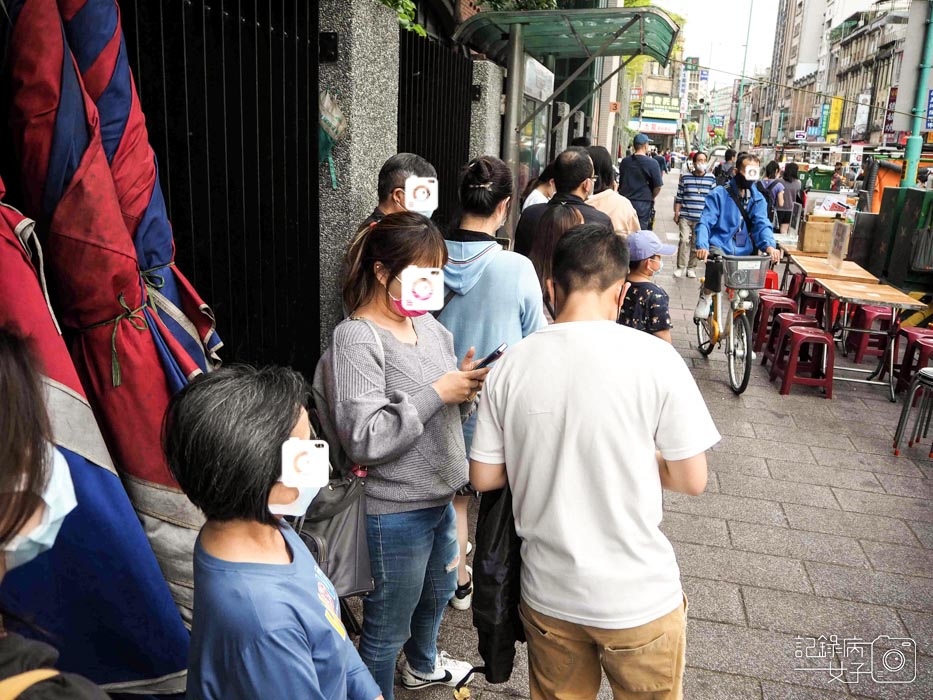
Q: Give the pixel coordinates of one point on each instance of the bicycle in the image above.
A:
(740, 275)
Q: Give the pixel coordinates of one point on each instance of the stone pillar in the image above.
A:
(364, 82)
(486, 124)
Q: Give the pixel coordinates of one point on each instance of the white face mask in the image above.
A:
(299, 506)
(60, 500)
(700, 167)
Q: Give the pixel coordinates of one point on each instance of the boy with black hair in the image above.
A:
(391, 184)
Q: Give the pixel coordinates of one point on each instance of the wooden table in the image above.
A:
(790, 250)
(820, 268)
(867, 294)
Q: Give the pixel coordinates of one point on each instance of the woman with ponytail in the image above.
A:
(494, 297)
(397, 398)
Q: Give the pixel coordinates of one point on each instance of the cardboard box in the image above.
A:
(816, 235)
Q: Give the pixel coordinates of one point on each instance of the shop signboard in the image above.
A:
(860, 127)
(835, 114)
(889, 112)
(661, 107)
(930, 111)
(800, 135)
(824, 121)
(539, 81)
(635, 94)
(692, 63)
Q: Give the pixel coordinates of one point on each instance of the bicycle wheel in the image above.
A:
(706, 332)
(740, 353)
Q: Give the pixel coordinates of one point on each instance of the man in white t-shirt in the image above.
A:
(587, 421)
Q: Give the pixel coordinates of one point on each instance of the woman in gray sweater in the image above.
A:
(397, 400)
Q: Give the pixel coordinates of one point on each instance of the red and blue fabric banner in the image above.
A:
(99, 591)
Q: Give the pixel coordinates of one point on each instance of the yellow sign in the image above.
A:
(757, 135)
(835, 114)
(832, 138)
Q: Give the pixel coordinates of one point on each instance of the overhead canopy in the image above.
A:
(573, 33)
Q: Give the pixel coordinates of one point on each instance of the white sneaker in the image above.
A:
(469, 548)
(447, 671)
(679, 271)
(463, 596)
(692, 274)
(703, 307)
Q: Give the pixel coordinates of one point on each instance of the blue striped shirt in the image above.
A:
(691, 194)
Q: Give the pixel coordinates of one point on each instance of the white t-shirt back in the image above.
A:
(534, 197)
(576, 412)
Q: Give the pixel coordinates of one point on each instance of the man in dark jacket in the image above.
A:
(574, 178)
(640, 180)
(391, 185)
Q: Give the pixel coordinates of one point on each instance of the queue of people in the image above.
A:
(587, 333)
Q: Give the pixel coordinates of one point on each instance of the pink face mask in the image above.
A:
(401, 310)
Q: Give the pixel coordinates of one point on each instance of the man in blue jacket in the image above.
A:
(727, 229)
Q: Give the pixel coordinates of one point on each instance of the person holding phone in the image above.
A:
(495, 298)
(397, 398)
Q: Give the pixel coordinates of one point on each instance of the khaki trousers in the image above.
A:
(641, 663)
(686, 249)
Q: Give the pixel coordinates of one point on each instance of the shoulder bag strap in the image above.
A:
(14, 686)
(447, 297)
(738, 203)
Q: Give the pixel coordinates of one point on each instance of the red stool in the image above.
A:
(922, 346)
(796, 339)
(911, 334)
(768, 306)
(771, 280)
(782, 322)
(869, 343)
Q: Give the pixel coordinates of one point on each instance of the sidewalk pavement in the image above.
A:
(809, 527)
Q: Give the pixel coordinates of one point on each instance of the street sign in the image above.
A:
(692, 63)
(800, 135)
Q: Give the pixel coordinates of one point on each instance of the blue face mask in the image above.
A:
(59, 499)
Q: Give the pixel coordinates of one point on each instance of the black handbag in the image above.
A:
(334, 530)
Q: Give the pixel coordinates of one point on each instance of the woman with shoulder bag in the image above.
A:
(397, 399)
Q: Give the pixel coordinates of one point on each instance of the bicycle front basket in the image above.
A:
(745, 271)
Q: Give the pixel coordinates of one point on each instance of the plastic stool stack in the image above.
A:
(922, 382)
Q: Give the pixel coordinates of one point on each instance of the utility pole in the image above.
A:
(738, 108)
(915, 140)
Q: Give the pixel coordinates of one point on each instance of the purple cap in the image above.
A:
(645, 244)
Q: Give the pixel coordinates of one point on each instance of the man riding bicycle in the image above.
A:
(734, 222)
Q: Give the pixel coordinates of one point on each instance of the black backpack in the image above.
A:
(768, 192)
(722, 175)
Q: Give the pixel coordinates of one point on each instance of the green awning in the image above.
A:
(573, 33)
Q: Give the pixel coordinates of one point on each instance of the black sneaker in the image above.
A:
(463, 596)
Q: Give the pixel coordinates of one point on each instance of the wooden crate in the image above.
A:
(816, 235)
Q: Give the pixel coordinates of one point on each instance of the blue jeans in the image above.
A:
(414, 561)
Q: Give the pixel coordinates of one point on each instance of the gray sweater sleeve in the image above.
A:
(372, 426)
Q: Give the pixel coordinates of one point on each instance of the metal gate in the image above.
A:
(229, 93)
(434, 112)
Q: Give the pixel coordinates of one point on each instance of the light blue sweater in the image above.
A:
(497, 299)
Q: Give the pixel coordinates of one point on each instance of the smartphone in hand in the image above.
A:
(492, 357)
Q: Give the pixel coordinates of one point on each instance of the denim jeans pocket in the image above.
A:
(644, 669)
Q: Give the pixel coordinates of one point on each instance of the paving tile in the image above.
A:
(920, 629)
(829, 423)
(906, 486)
(719, 505)
(884, 504)
(729, 463)
(799, 404)
(714, 600)
(758, 653)
(924, 533)
(700, 684)
(803, 436)
(920, 689)
(885, 412)
(875, 445)
(736, 428)
(782, 691)
(712, 483)
(760, 415)
(797, 544)
(741, 567)
(764, 448)
(881, 588)
(864, 527)
(812, 616)
(887, 464)
(899, 560)
(825, 476)
(781, 491)
(682, 527)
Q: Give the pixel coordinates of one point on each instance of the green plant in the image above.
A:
(511, 5)
(406, 11)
